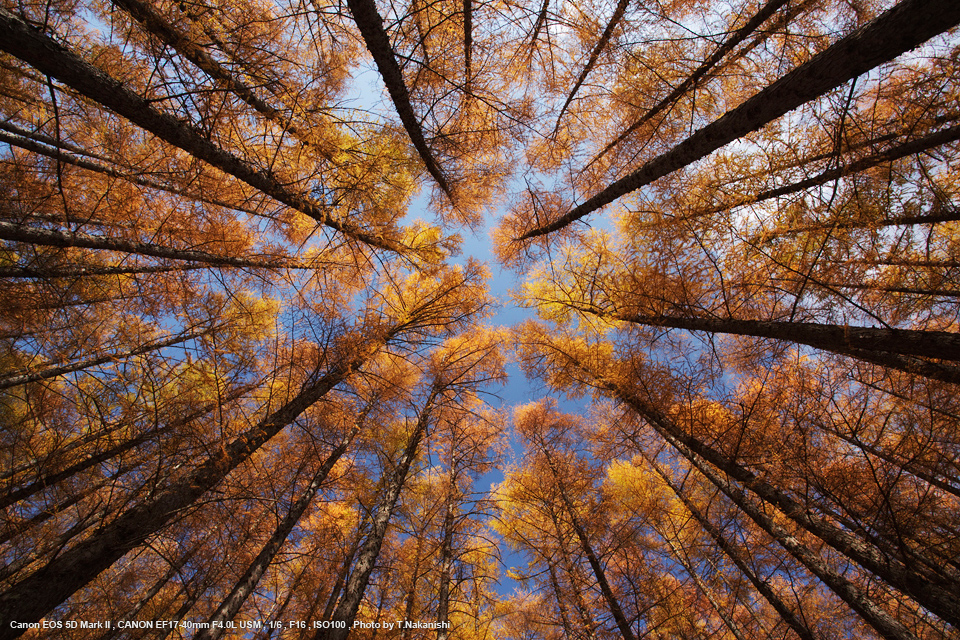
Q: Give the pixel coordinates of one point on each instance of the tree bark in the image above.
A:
(378, 43)
(904, 27)
(860, 601)
(690, 81)
(587, 548)
(346, 610)
(92, 459)
(930, 591)
(35, 596)
(53, 238)
(595, 55)
(53, 371)
(251, 577)
(54, 60)
(786, 614)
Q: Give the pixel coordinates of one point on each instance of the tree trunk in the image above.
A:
(446, 561)
(690, 81)
(53, 238)
(54, 60)
(343, 573)
(930, 591)
(925, 143)
(793, 620)
(595, 55)
(53, 371)
(35, 596)
(251, 577)
(153, 22)
(592, 558)
(904, 27)
(93, 459)
(378, 43)
(704, 588)
(893, 348)
(50, 148)
(346, 610)
(859, 600)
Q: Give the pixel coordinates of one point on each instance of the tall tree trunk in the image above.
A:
(344, 572)
(704, 588)
(51, 58)
(792, 619)
(893, 348)
(54, 238)
(446, 561)
(585, 615)
(594, 56)
(346, 610)
(930, 591)
(612, 603)
(251, 577)
(411, 598)
(92, 459)
(38, 144)
(53, 371)
(858, 599)
(153, 22)
(370, 23)
(904, 27)
(690, 81)
(33, 597)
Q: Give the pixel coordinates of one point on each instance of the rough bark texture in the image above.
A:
(35, 596)
(54, 238)
(763, 588)
(622, 624)
(251, 577)
(378, 42)
(902, 28)
(91, 459)
(53, 371)
(52, 149)
(735, 38)
(935, 592)
(828, 337)
(156, 24)
(594, 56)
(878, 618)
(346, 610)
(50, 58)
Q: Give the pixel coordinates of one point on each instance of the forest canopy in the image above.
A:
(249, 380)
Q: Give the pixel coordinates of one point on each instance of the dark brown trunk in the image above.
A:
(346, 610)
(251, 577)
(786, 614)
(904, 27)
(154, 23)
(930, 591)
(691, 81)
(859, 600)
(35, 596)
(612, 603)
(126, 174)
(92, 459)
(53, 371)
(595, 55)
(54, 238)
(51, 58)
(370, 23)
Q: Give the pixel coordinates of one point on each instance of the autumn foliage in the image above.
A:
(248, 381)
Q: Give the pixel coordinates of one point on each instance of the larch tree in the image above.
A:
(247, 381)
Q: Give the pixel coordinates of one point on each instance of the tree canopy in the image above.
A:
(250, 386)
